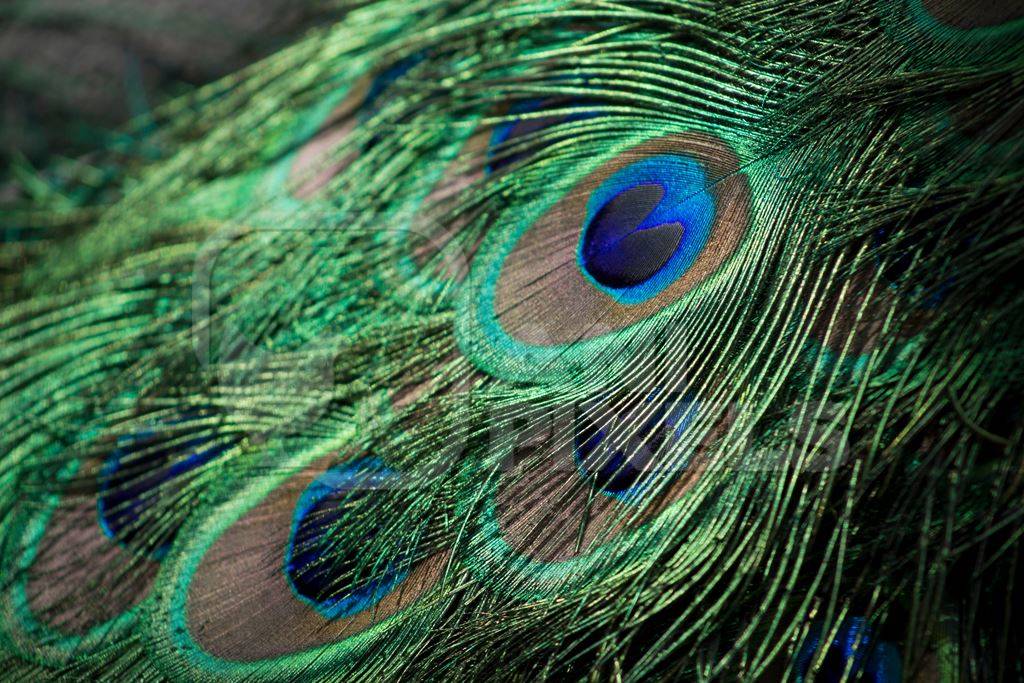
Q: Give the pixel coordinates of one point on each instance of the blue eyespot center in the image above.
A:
(623, 460)
(906, 269)
(324, 564)
(855, 650)
(507, 133)
(385, 79)
(617, 252)
(143, 473)
(645, 226)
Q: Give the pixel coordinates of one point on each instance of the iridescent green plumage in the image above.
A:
(341, 274)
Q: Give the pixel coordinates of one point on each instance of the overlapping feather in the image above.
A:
(835, 401)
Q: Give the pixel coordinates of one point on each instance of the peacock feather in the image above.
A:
(585, 339)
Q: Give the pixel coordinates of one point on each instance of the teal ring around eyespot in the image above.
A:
(169, 643)
(20, 629)
(409, 283)
(489, 347)
(673, 172)
(490, 558)
(272, 184)
(933, 41)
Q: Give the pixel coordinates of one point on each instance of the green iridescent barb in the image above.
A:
(537, 339)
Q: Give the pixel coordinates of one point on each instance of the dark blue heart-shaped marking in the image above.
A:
(618, 250)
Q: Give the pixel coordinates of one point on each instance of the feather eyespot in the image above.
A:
(87, 560)
(854, 654)
(143, 468)
(314, 572)
(317, 162)
(581, 490)
(645, 226)
(624, 449)
(101, 583)
(322, 571)
(652, 227)
(912, 273)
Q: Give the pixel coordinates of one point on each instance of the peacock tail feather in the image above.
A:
(586, 339)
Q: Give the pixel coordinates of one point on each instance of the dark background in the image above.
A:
(74, 72)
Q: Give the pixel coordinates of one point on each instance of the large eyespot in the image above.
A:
(582, 491)
(645, 226)
(81, 566)
(655, 226)
(954, 32)
(855, 654)
(306, 565)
